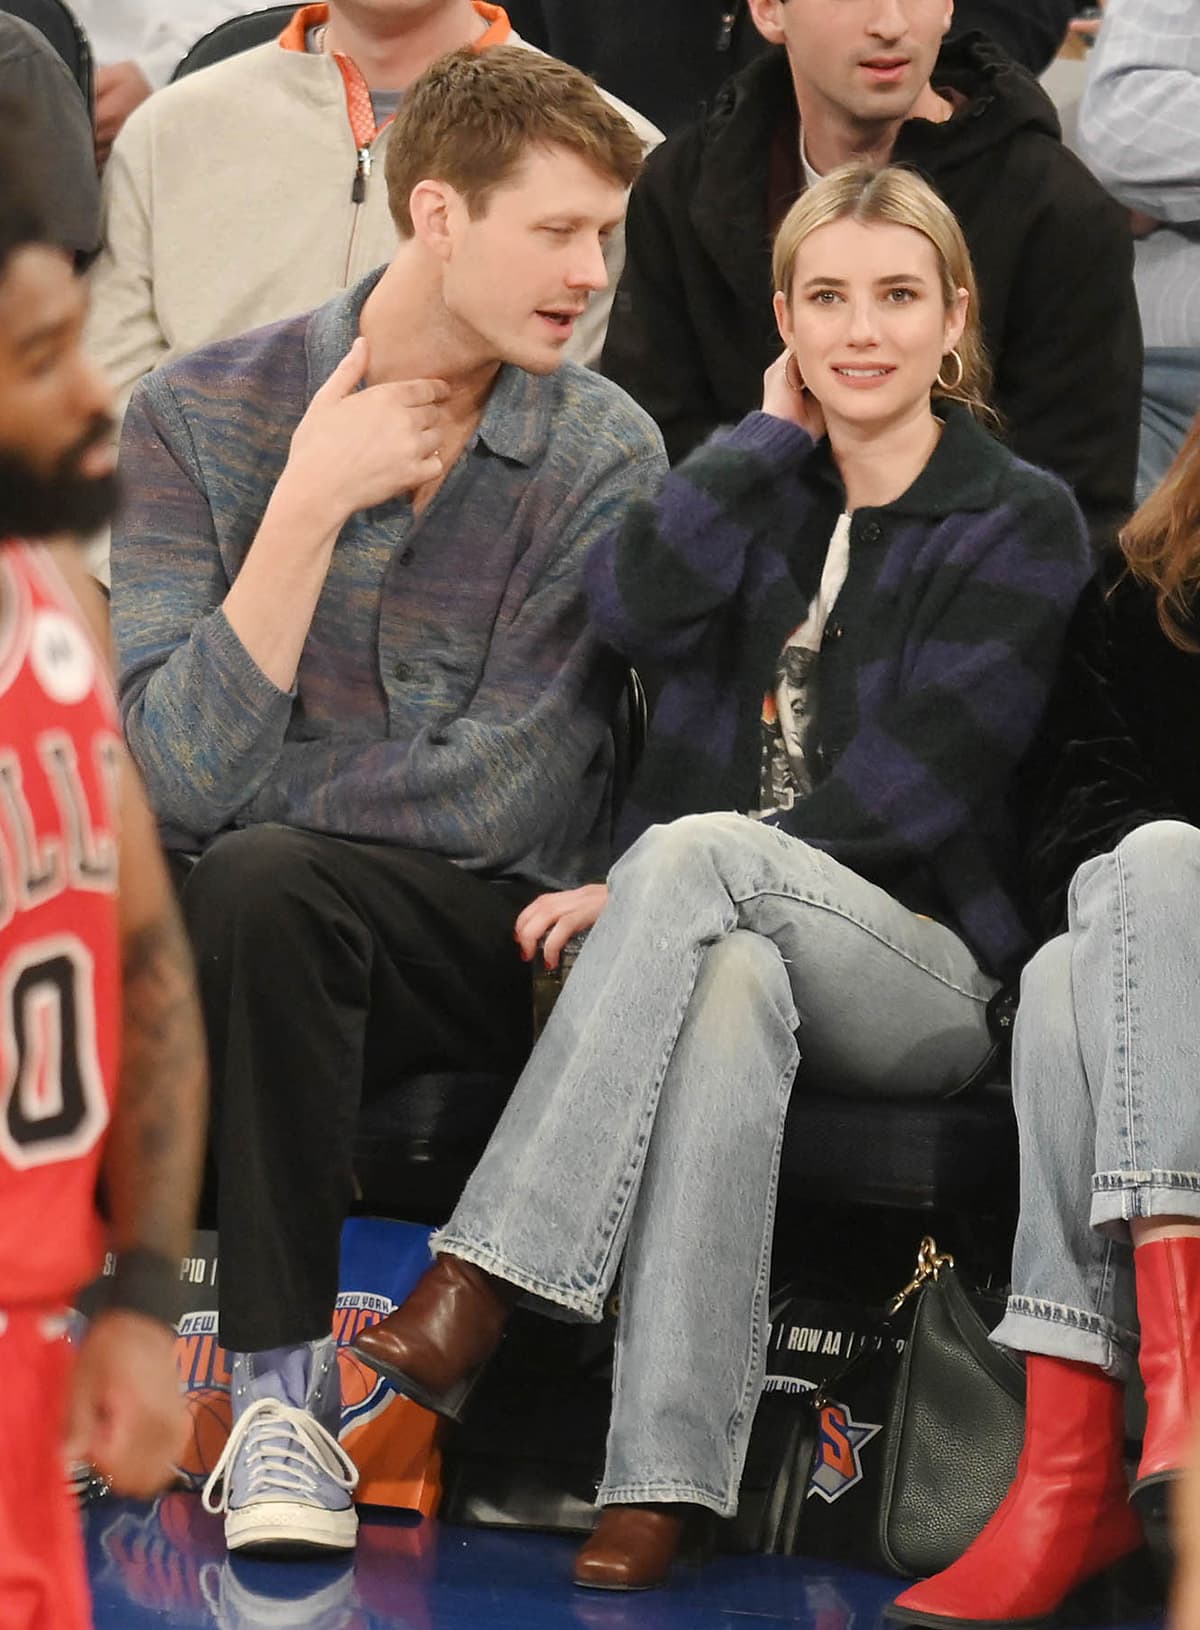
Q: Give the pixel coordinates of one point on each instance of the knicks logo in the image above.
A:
(201, 1359)
(365, 1394)
(204, 1370)
(836, 1464)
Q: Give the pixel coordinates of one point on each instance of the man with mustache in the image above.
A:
(290, 203)
(871, 81)
(357, 673)
(101, 1053)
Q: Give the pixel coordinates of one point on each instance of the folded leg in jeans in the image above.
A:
(647, 1125)
(1106, 1261)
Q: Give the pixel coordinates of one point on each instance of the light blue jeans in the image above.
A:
(1170, 401)
(1106, 1072)
(647, 1125)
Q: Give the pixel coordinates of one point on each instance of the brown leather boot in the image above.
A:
(434, 1346)
(632, 1548)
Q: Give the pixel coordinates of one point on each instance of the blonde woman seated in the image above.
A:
(851, 605)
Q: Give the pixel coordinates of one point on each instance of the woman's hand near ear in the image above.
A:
(784, 401)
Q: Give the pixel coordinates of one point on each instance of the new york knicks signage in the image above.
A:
(391, 1440)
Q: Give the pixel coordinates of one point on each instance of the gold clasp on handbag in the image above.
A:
(930, 1263)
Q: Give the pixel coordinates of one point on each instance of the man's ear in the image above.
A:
(765, 15)
(432, 205)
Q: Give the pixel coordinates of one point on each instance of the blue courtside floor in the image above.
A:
(165, 1564)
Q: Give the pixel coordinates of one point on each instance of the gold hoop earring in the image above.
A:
(951, 385)
(797, 386)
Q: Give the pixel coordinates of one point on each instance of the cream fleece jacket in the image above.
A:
(228, 205)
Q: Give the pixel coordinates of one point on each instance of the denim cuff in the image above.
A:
(1117, 1197)
(1054, 1330)
(667, 1493)
(571, 1305)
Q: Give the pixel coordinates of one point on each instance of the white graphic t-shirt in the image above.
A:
(790, 708)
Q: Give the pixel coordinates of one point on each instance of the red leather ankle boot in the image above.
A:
(1065, 1520)
(1168, 1299)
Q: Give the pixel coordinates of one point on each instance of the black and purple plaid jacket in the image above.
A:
(933, 674)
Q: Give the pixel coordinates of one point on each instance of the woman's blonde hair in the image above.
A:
(898, 197)
(1162, 544)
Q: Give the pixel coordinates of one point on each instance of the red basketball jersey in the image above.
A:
(59, 949)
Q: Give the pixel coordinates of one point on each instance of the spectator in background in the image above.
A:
(254, 190)
(1139, 130)
(53, 117)
(136, 46)
(357, 672)
(670, 59)
(691, 330)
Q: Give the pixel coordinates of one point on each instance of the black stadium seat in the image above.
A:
(234, 35)
(418, 1143)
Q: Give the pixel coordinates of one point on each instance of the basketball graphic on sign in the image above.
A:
(358, 1380)
(209, 1410)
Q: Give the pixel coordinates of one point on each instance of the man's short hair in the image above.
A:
(472, 117)
(22, 185)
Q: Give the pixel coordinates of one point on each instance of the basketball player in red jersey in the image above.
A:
(101, 1051)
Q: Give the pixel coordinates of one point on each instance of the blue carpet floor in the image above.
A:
(165, 1564)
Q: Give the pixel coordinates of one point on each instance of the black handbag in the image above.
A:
(899, 1453)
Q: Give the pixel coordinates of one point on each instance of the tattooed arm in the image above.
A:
(126, 1415)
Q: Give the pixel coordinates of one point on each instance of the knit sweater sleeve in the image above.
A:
(654, 581)
(202, 720)
(940, 753)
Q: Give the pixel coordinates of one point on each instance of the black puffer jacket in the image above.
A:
(692, 329)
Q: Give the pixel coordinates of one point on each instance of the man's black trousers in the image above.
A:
(329, 969)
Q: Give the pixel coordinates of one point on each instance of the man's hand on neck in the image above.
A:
(410, 336)
(391, 52)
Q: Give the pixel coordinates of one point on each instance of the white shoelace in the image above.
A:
(272, 1459)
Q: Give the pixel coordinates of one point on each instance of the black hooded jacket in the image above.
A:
(692, 328)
